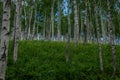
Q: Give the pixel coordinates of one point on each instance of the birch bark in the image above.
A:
(4, 38)
(98, 37)
(112, 39)
(17, 29)
(76, 23)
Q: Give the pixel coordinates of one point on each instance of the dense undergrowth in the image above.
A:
(39, 60)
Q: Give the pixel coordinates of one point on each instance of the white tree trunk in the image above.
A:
(37, 31)
(103, 29)
(112, 39)
(98, 37)
(85, 25)
(69, 34)
(26, 23)
(52, 18)
(17, 29)
(0, 22)
(4, 38)
(81, 29)
(76, 23)
(34, 25)
(49, 30)
(59, 20)
(44, 27)
(29, 24)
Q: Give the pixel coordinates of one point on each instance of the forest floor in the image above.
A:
(39, 60)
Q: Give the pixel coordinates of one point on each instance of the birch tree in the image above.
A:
(34, 25)
(91, 32)
(102, 23)
(17, 29)
(26, 22)
(69, 34)
(98, 36)
(85, 25)
(4, 38)
(52, 18)
(76, 22)
(44, 26)
(112, 39)
(0, 15)
(30, 19)
(59, 20)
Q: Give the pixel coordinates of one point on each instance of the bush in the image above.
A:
(39, 60)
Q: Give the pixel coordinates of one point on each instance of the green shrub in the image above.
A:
(45, 60)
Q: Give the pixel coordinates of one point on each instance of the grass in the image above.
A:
(39, 60)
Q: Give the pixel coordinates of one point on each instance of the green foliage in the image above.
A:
(40, 60)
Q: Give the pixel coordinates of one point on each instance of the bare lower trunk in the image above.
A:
(102, 25)
(85, 26)
(30, 19)
(112, 40)
(44, 27)
(0, 22)
(69, 34)
(76, 23)
(17, 29)
(98, 37)
(85, 33)
(67, 48)
(4, 38)
(59, 20)
(89, 21)
(37, 31)
(50, 31)
(34, 25)
(82, 26)
(52, 18)
(103, 30)
(26, 24)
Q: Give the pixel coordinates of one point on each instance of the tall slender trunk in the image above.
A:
(37, 31)
(98, 37)
(59, 20)
(87, 22)
(49, 30)
(17, 29)
(44, 27)
(85, 26)
(0, 25)
(21, 32)
(26, 23)
(90, 22)
(30, 19)
(85, 32)
(52, 18)
(76, 23)
(103, 29)
(102, 25)
(69, 34)
(92, 27)
(81, 28)
(4, 38)
(34, 25)
(112, 39)
(108, 30)
(119, 18)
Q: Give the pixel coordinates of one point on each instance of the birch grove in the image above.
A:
(75, 23)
